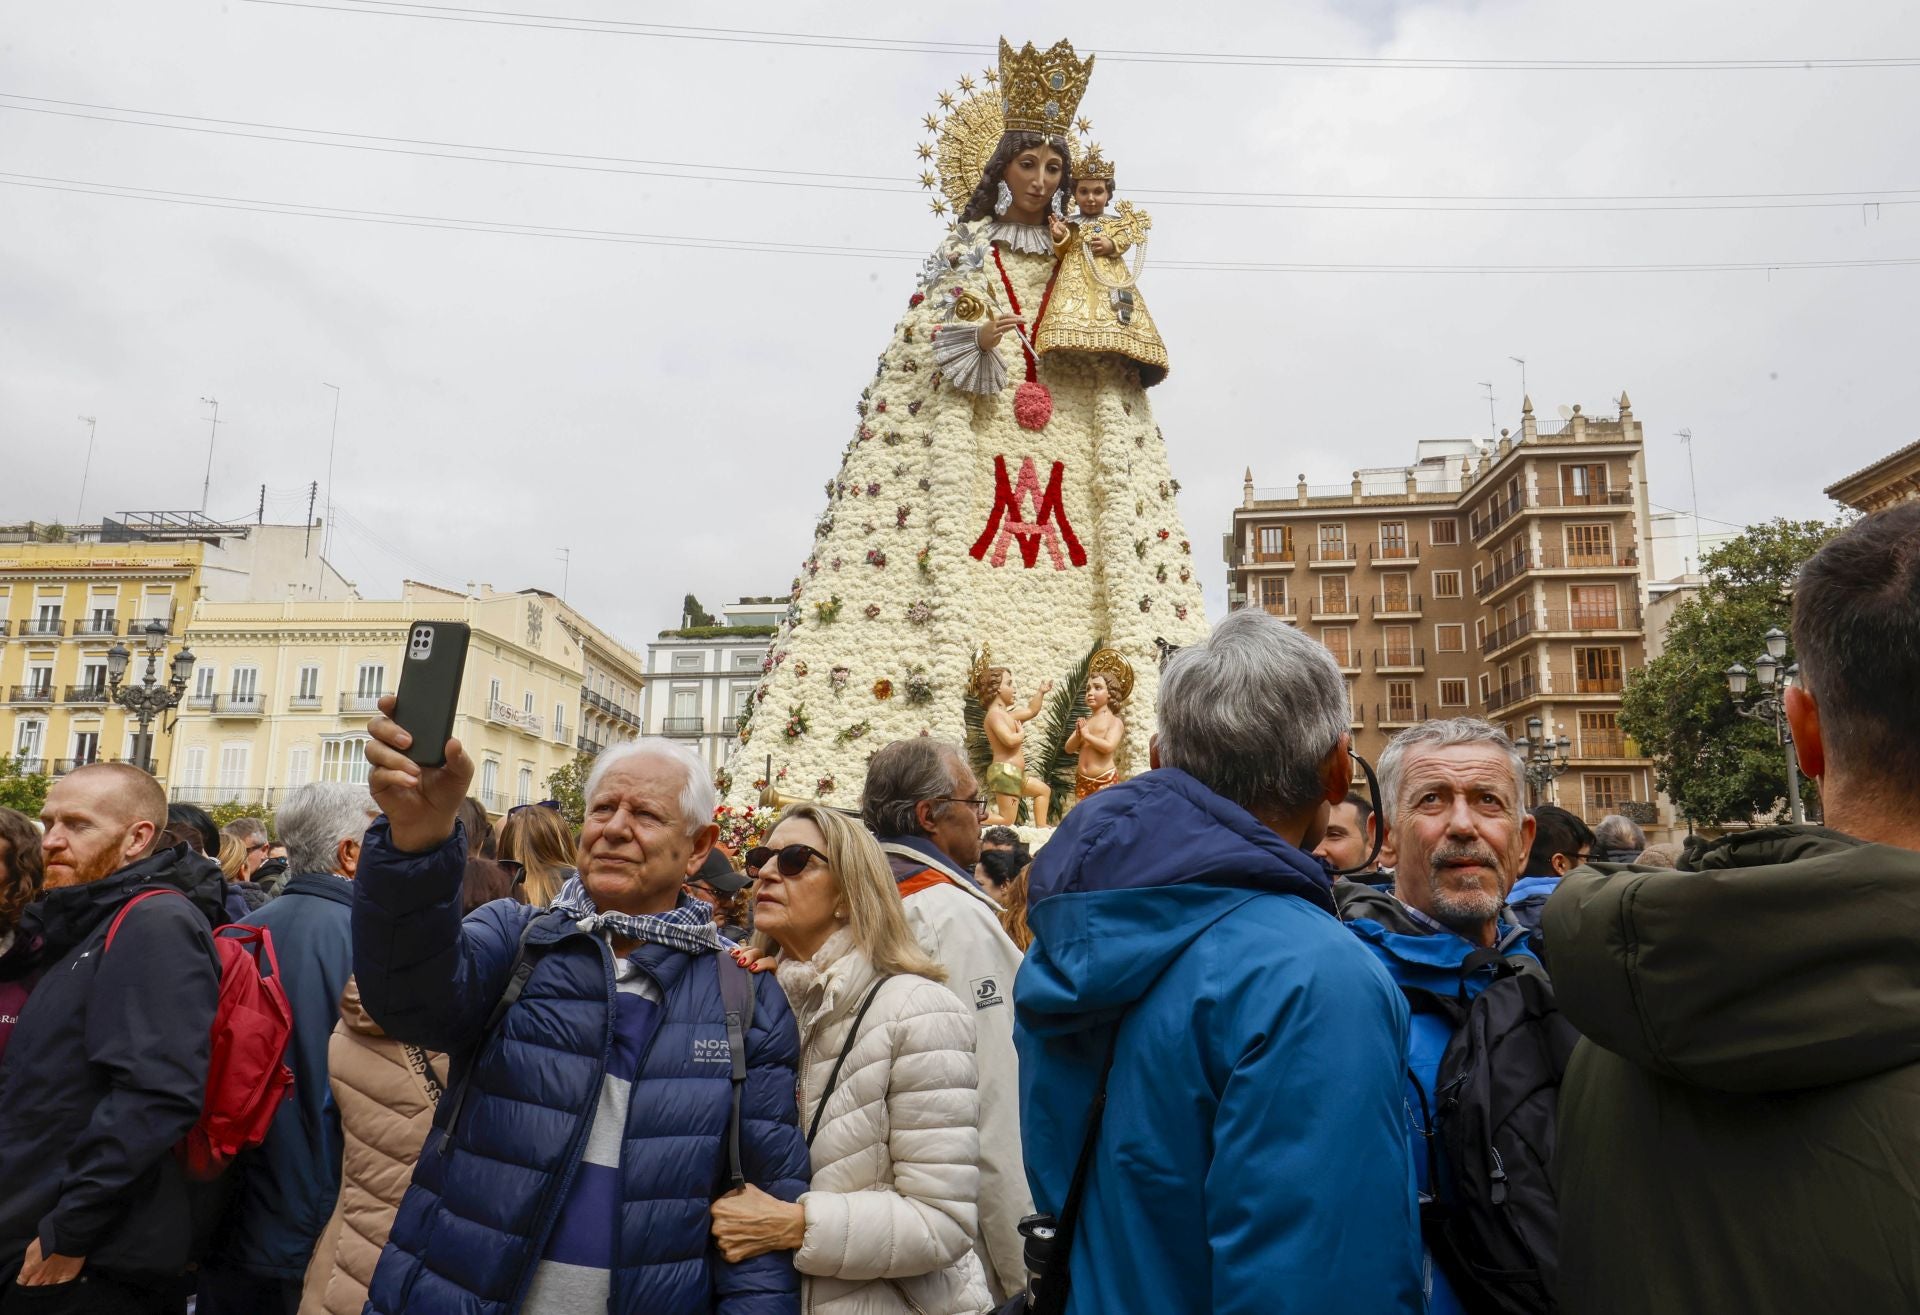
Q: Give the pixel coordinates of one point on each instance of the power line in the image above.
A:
(1513, 204)
(1211, 59)
(464, 224)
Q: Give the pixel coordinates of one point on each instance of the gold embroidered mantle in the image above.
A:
(1095, 305)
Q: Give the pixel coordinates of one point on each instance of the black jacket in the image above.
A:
(106, 1070)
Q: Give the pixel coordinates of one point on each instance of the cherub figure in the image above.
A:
(1097, 736)
(1008, 781)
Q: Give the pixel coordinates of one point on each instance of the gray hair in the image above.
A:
(1253, 712)
(245, 829)
(1445, 733)
(900, 777)
(1617, 832)
(317, 817)
(697, 797)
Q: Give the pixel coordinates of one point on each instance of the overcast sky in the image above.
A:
(670, 414)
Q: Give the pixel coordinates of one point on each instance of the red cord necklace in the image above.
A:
(1032, 403)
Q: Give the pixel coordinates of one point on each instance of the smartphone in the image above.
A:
(429, 690)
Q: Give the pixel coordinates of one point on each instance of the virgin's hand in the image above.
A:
(420, 802)
(748, 1223)
(1057, 227)
(1102, 246)
(992, 331)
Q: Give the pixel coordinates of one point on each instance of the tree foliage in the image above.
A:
(1716, 765)
(24, 792)
(567, 785)
(694, 615)
(223, 814)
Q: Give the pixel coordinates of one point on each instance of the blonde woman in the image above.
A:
(536, 842)
(887, 1086)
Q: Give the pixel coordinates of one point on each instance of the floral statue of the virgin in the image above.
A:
(989, 494)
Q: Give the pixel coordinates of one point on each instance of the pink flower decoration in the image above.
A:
(1032, 405)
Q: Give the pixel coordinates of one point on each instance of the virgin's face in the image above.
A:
(1034, 176)
(1097, 693)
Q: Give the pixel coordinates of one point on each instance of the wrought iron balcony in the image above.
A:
(1399, 714)
(368, 703)
(38, 627)
(1518, 691)
(1397, 605)
(1399, 659)
(94, 694)
(683, 726)
(240, 705)
(35, 693)
(103, 625)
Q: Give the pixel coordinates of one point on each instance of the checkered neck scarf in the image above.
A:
(687, 927)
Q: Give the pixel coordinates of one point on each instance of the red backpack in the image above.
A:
(246, 1078)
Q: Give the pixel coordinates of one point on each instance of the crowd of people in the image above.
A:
(1242, 1034)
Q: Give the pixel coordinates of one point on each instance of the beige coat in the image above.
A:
(386, 1102)
(891, 1216)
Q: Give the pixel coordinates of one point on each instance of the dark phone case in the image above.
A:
(429, 690)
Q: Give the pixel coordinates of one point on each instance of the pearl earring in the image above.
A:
(840, 915)
(1004, 200)
(1059, 210)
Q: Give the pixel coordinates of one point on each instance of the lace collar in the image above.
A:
(1027, 239)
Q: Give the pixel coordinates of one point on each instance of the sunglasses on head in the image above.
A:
(553, 804)
(515, 869)
(791, 859)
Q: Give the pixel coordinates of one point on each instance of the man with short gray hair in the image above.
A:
(284, 1189)
(1457, 836)
(1187, 961)
(1618, 839)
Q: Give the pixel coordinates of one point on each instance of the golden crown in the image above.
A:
(1094, 165)
(1040, 92)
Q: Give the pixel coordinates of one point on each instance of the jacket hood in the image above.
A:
(354, 1016)
(64, 917)
(1414, 954)
(1134, 875)
(1783, 958)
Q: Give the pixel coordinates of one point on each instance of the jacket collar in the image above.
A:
(325, 885)
(829, 983)
(919, 847)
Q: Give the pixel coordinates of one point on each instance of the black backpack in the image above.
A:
(1494, 1227)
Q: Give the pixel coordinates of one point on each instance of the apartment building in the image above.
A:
(68, 594)
(1505, 580)
(1893, 479)
(282, 693)
(699, 679)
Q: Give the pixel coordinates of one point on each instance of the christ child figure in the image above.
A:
(1095, 304)
(1008, 781)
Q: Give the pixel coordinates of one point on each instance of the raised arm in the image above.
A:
(1034, 704)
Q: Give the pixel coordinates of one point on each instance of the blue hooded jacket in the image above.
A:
(1425, 960)
(1252, 1156)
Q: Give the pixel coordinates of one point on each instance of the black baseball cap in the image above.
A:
(718, 872)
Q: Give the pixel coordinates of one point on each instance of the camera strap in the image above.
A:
(1050, 1297)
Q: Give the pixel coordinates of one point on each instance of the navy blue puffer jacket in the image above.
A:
(475, 1221)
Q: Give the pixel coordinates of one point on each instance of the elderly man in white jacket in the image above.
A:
(921, 801)
(888, 1223)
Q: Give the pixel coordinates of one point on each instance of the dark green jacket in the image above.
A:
(1740, 1132)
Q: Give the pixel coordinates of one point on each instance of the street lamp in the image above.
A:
(1770, 704)
(151, 696)
(1546, 757)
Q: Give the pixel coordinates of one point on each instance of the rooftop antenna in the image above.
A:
(212, 429)
(1521, 361)
(85, 470)
(1686, 436)
(1493, 421)
(566, 571)
(326, 526)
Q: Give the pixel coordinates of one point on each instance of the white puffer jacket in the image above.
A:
(892, 1219)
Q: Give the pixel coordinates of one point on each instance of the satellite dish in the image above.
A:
(1566, 412)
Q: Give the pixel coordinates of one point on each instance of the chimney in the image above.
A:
(1300, 489)
(1246, 489)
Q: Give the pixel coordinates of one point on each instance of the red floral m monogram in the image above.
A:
(1008, 522)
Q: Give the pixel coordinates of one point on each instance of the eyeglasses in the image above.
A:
(515, 869)
(979, 806)
(554, 804)
(257, 847)
(791, 859)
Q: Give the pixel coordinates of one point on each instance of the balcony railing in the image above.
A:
(1510, 568)
(1338, 609)
(1521, 625)
(1393, 554)
(1598, 684)
(1619, 616)
(1399, 659)
(1271, 557)
(585, 745)
(240, 705)
(201, 702)
(1399, 714)
(35, 693)
(305, 703)
(218, 794)
(561, 732)
(1553, 558)
(1603, 744)
(6, 627)
(1283, 610)
(62, 766)
(1349, 661)
(1505, 696)
(683, 726)
(30, 766)
(97, 625)
(1397, 605)
(361, 702)
(1596, 498)
(36, 626)
(1496, 513)
(1333, 554)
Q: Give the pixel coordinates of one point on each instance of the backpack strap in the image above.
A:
(121, 916)
(853, 1034)
(1050, 1298)
(736, 997)
(517, 975)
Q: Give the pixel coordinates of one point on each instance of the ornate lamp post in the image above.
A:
(1546, 757)
(1769, 704)
(150, 697)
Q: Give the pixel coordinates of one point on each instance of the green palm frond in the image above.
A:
(973, 714)
(1053, 727)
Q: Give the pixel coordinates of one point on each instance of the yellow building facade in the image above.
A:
(282, 693)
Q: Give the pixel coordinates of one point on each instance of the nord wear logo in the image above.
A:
(986, 993)
(711, 1050)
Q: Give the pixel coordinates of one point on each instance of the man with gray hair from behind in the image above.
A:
(1187, 965)
(1618, 839)
(285, 1188)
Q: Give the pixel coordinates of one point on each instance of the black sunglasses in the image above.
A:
(553, 804)
(515, 868)
(791, 859)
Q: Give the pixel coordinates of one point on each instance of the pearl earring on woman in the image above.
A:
(1004, 201)
(1059, 210)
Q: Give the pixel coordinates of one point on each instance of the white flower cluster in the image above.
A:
(892, 598)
